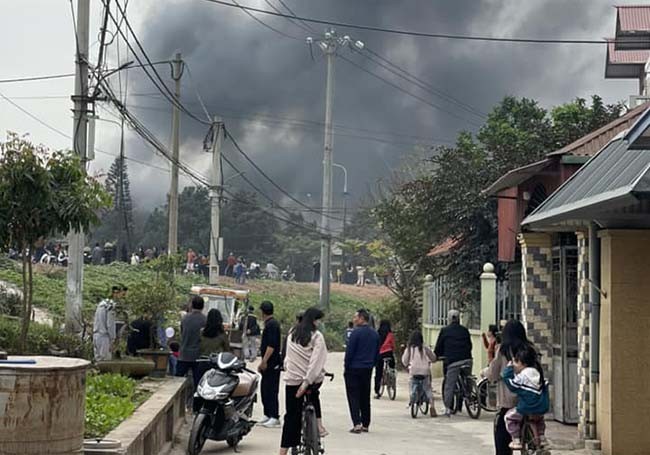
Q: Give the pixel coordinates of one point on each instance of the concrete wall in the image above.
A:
(584, 310)
(624, 395)
(431, 333)
(152, 427)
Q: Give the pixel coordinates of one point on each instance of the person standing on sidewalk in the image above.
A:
(270, 367)
(190, 351)
(360, 357)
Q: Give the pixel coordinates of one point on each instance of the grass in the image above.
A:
(288, 297)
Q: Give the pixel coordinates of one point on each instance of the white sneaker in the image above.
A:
(271, 423)
(263, 420)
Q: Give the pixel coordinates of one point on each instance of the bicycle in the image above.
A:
(466, 391)
(310, 442)
(388, 380)
(419, 399)
(487, 395)
(530, 438)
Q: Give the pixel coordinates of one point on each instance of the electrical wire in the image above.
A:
(260, 21)
(293, 21)
(36, 78)
(411, 94)
(196, 92)
(409, 77)
(309, 27)
(412, 32)
(269, 179)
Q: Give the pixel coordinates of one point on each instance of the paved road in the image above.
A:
(392, 431)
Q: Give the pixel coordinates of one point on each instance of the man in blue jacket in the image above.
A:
(361, 355)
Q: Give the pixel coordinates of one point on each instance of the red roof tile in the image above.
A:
(634, 18)
(622, 56)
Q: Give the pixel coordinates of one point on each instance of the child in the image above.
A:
(525, 378)
(173, 358)
(418, 358)
(490, 340)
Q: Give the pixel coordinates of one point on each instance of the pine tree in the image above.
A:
(119, 218)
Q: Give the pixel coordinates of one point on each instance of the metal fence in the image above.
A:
(509, 296)
(439, 301)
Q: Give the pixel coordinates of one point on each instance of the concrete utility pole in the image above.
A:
(216, 190)
(76, 240)
(345, 196)
(329, 44)
(172, 241)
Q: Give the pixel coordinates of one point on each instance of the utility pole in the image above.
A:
(172, 241)
(216, 190)
(329, 44)
(74, 285)
(345, 196)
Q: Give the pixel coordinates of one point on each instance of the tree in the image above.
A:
(194, 219)
(42, 194)
(448, 202)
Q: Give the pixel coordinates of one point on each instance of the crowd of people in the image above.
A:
(521, 390)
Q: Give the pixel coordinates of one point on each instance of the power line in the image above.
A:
(411, 94)
(36, 78)
(293, 21)
(260, 21)
(269, 179)
(412, 32)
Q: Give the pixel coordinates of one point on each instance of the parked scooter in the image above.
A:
(224, 401)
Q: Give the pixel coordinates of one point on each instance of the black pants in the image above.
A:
(502, 438)
(293, 416)
(357, 388)
(270, 390)
(183, 366)
(379, 368)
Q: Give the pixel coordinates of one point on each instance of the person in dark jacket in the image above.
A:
(270, 367)
(190, 351)
(455, 345)
(361, 356)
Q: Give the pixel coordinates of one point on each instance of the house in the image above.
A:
(607, 204)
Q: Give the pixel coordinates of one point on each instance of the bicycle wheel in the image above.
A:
(383, 383)
(472, 399)
(414, 409)
(424, 404)
(528, 443)
(311, 437)
(457, 398)
(392, 384)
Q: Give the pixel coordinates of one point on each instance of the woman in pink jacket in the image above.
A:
(418, 358)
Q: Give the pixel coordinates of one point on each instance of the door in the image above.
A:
(565, 333)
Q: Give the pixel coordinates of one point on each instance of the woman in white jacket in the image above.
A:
(418, 358)
(304, 367)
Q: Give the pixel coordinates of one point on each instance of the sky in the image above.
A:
(270, 91)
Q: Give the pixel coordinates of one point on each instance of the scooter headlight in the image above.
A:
(207, 392)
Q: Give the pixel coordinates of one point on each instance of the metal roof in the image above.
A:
(615, 179)
(517, 176)
(634, 18)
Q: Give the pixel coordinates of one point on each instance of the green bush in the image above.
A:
(41, 340)
(110, 398)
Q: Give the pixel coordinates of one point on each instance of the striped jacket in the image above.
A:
(533, 396)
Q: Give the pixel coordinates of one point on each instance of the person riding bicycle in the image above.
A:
(304, 368)
(455, 345)
(418, 358)
(525, 378)
(386, 350)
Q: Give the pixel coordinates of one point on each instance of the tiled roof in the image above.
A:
(625, 56)
(591, 143)
(634, 18)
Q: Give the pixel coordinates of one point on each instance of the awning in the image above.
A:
(517, 176)
(613, 188)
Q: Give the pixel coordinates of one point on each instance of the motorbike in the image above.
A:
(223, 402)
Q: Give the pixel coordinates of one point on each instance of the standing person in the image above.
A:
(191, 257)
(417, 358)
(191, 326)
(270, 367)
(525, 378)
(386, 351)
(348, 332)
(360, 358)
(104, 326)
(315, 272)
(455, 344)
(250, 328)
(361, 276)
(230, 265)
(214, 338)
(513, 338)
(97, 254)
(304, 366)
(490, 341)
